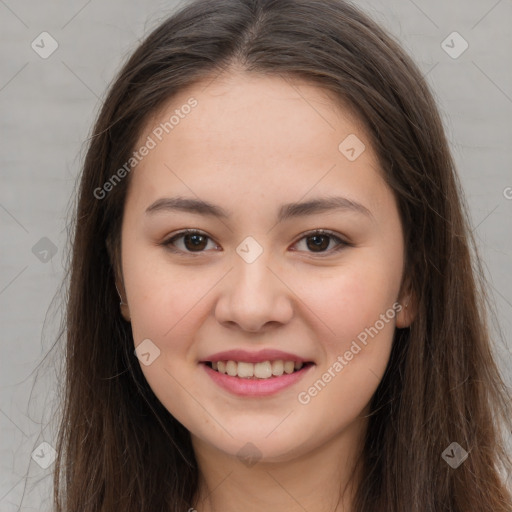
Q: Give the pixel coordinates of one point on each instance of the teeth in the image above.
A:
(231, 368)
(277, 368)
(289, 366)
(263, 370)
(245, 370)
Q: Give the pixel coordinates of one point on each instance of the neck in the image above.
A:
(321, 480)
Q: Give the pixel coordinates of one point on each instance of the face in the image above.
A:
(295, 255)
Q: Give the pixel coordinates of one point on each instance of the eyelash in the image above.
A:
(168, 244)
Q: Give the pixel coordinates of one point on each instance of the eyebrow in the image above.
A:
(287, 211)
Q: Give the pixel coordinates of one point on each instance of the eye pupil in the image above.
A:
(198, 241)
(320, 242)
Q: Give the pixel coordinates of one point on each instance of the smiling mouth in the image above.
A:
(257, 371)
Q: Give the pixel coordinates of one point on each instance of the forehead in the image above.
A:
(234, 105)
(259, 135)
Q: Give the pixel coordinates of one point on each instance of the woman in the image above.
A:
(272, 299)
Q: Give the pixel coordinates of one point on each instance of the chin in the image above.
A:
(250, 446)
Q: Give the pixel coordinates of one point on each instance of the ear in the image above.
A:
(409, 307)
(118, 278)
(123, 306)
(407, 314)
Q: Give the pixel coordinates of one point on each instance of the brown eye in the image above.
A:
(187, 242)
(319, 242)
(195, 242)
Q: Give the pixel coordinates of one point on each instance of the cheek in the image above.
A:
(362, 317)
(164, 308)
(152, 294)
(351, 301)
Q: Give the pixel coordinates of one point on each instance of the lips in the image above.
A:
(254, 357)
(255, 373)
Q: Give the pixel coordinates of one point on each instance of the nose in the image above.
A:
(254, 297)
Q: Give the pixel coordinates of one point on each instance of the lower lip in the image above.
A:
(256, 387)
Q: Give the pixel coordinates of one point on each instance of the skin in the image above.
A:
(252, 144)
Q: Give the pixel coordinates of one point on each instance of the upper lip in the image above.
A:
(254, 357)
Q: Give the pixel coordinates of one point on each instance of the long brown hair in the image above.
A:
(118, 447)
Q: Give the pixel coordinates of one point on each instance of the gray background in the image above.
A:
(47, 109)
